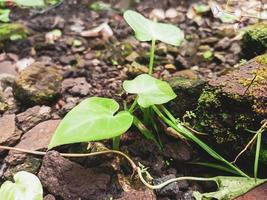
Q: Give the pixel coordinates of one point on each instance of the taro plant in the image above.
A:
(98, 118)
(27, 186)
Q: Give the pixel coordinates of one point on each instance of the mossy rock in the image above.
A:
(233, 104)
(255, 39)
(31, 164)
(188, 89)
(10, 29)
(38, 84)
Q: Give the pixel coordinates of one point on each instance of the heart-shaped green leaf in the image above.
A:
(150, 90)
(229, 188)
(147, 30)
(93, 119)
(26, 187)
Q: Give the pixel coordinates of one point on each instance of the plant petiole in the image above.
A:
(131, 110)
(116, 143)
(152, 55)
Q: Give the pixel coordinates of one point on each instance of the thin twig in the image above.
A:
(133, 165)
(251, 141)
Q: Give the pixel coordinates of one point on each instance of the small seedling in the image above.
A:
(208, 55)
(94, 118)
(27, 186)
(147, 30)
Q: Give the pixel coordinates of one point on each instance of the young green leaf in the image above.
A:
(4, 15)
(93, 119)
(150, 90)
(26, 186)
(229, 188)
(147, 30)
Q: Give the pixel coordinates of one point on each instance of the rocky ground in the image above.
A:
(73, 52)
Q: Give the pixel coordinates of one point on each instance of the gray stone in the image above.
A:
(171, 189)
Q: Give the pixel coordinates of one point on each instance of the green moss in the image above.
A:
(263, 155)
(258, 32)
(262, 59)
(226, 120)
(209, 98)
(7, 30)
(255, 39)
(187, 91)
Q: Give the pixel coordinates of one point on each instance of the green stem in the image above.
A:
(186, 133)
(116, 143)
(152, 55)
(133, 105)
(150, 71)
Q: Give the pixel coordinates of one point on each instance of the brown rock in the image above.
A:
(247, 83)
(8, 68)
(179, 151)
(70, 181)
(37, 138)
(258, 193)
(8, 133)
(139, 195)
(49, 197)
(33, 116)
(76, 86)
(232, 104)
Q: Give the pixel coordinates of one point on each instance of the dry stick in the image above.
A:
(251, 141)
(133, 165)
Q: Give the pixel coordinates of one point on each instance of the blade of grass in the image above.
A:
(257, 155)
(216, 166)
(145, 131)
